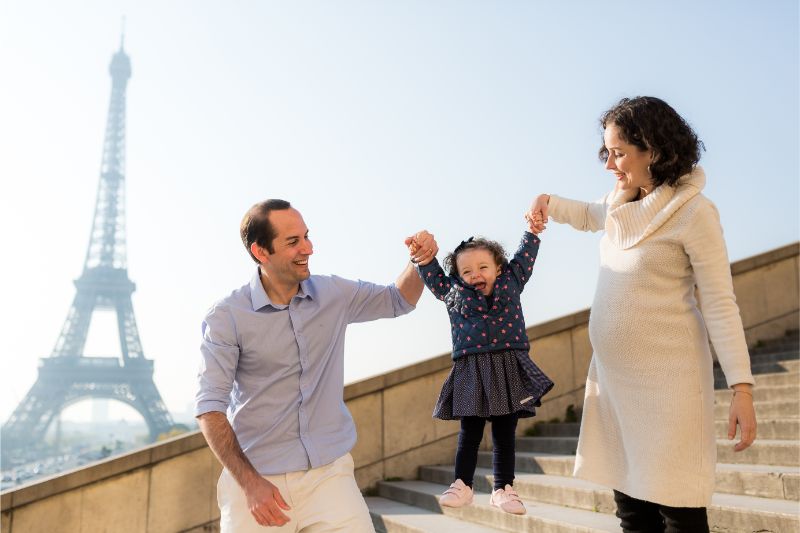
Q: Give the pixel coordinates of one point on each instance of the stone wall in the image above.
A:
(166, 487)
(170, 486)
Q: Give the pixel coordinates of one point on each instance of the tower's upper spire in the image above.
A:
(120, 67)
(107, 239)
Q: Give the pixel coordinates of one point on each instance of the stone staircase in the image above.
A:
(757, 490)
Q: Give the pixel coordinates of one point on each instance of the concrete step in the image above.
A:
(560, 445)
(782, 428)
(389, 516)
(536, 463)
(776, 364)
(780, 363)
(766, 481)
(763, 451)
(776, 351)
(560, 490)
(775, 428)
(727, 512)
(550, 429)
(763, 481)
(764, 410)
(780, 348)
(776, 379)
(540, 516)
(770, 393)
(790, 341)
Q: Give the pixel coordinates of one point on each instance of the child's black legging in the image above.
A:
(469, 439)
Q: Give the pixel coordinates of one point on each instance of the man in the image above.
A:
(272, 357)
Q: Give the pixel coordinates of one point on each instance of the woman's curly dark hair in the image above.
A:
(475, 243)
(650, 123)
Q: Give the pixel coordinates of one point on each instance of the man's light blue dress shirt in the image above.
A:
(278, 370)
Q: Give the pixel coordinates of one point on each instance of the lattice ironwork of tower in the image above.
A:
(67, 375)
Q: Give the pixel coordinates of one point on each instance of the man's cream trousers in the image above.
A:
(324, 499)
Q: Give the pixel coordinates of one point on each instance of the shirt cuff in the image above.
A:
(402, 305)
(536, 239)
(208, 406)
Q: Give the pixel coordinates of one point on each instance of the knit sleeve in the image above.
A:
(584, 216)
(705, 246)
(434, 278)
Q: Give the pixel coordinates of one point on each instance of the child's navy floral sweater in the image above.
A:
(481, 323)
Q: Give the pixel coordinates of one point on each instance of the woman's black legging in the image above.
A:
(639, 516)
(469, 440)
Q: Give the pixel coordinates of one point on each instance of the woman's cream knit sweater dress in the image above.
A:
(648, 414)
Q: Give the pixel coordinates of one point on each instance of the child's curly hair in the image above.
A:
(475, 243)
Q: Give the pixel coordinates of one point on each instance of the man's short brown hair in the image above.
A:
(256, 227)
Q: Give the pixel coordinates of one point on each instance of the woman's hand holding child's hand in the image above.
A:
(537, 215)
(535, 224)
(422, 247)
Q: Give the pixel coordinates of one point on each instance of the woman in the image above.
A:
(648, 416)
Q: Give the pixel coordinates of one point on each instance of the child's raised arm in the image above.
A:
(521, 265)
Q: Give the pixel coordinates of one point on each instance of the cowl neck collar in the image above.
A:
(629, 222)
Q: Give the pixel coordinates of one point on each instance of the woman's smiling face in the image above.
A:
(628, 163)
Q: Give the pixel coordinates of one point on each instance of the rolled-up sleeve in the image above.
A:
(219, 356)
(368, 301)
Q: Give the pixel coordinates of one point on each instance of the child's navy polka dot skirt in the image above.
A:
(492, 384)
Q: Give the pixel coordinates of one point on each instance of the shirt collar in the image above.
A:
(259, 296)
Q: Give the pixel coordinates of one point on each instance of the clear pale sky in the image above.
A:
(376, 119)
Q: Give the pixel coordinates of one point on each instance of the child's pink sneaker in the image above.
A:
(508, 500)
(457, 495)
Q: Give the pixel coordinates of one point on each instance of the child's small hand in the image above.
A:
(537, 214)
(535, 222)
(412, 245)
(422, 247)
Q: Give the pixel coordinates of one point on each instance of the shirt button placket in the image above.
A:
(302, 350)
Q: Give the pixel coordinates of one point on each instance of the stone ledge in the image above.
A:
(396, 377)
(773, 256)
(558, 325)
(114, 466)
(397, 455)
(441, 362)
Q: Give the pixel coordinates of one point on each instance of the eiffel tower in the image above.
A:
(67, 375)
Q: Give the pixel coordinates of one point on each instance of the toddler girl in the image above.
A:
(492, 378)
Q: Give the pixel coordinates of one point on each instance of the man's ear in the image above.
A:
(260, 253)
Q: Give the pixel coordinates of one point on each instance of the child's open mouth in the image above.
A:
(480, 286)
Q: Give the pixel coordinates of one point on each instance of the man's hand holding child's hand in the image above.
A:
(422, 247)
